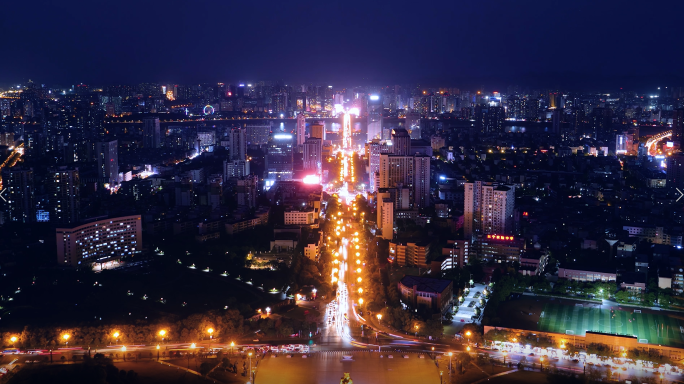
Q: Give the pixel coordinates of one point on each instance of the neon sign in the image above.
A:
(499, 237)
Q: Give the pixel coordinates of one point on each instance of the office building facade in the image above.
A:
(99, 241)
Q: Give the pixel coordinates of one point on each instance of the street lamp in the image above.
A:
(504, 355)
(210, 331)
(416, 326)
(450, 354)
(157, 352)
(66, 338)
(162, 333)
(123, 352)
(468, 335)
(541, 363)
(360, 290)
(13, 339)
(232, 344)
(116, 337)
(250, 366)
(361, 301)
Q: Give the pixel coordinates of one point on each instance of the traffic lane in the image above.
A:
(568, 364)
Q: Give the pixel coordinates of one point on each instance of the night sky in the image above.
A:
(462, 43)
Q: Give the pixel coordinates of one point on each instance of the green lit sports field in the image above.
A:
(577, 320)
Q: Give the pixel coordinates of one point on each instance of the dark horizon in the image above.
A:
(582, 44)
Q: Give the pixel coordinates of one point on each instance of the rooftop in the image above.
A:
(425, 284)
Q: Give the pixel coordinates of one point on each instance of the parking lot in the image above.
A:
(466, 310)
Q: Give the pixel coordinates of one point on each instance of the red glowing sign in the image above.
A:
(500, 237)
(525, 214)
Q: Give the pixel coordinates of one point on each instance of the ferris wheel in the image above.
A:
(208, 110)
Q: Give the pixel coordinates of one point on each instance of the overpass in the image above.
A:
(650, 143)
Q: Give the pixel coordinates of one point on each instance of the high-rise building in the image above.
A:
(235, 168)
(279, 158)
(675, 170)
(258, 134)
(373, 150)
(408, 174)
(621, 144)
(488, 209)
(19, 194)
(151, 132)
(374, 126)
(531, 109)
(108, 161)
(301, 129)
(401, 142)
(313, 147)
(421, 181)
(489, 119)
(64, 194)
(238, 145)
(385, 212)
(247, 191)
(678, 125)
(396, 170)
(318, 130)
(602, 123)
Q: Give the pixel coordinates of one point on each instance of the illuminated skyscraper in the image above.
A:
(108, 161)
(313, 147)
(19, 194)
(301, 129)
(238, 145)
(235, 168)
(421, 181)
(279, 157)
(488, 209)
(374, 127)
(151, 132)
(401, 142)
(373, 151)
(64, 194)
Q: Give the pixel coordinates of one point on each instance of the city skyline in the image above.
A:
(312, 192)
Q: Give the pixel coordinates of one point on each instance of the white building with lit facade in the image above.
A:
(99, 241)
